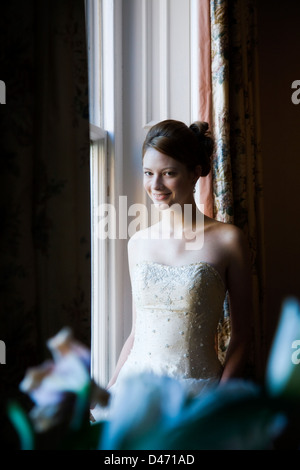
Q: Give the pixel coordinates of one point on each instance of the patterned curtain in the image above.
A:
(204, 111)
(45, 180)
(237, 172)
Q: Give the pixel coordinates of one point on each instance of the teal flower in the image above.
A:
(283, 370)
(157, 413)
(144, 408)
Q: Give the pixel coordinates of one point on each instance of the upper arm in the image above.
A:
(131, 261)
(239, 284)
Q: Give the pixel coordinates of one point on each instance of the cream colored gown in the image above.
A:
(178, 309)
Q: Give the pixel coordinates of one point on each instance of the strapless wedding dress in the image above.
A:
(178, 309)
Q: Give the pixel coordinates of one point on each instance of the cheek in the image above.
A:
(181, 185)
(146, 184)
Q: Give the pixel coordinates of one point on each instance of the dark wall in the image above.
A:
(279, 63)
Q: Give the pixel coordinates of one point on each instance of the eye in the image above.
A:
(147, 173)
(170, 173)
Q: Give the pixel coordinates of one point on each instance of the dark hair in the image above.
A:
(191, 146)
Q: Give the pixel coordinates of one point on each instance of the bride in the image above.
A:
(181, 269)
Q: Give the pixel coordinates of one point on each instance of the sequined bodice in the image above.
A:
(177, 313)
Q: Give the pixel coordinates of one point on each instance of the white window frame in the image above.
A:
(104, 33)
(109, 257)
(99, 301)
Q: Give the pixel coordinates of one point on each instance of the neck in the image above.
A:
(180, 218)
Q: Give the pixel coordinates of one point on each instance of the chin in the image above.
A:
(162, 206)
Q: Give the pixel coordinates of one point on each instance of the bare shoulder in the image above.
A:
(133, 242)
(232, 246)
(229, 236)
(138, 237)
(136, 245)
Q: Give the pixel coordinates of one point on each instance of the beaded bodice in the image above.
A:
(177, 313)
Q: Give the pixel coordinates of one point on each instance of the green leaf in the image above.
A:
(22, 426)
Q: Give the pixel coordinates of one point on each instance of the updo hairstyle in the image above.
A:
(191, 146)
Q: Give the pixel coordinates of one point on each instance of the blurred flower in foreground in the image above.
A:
(151, 412)
(283, 371)
(61, 389)
(160, 414)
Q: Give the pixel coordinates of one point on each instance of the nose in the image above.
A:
(157, 183)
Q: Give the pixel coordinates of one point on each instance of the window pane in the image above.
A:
(94, 39)
(99, 264)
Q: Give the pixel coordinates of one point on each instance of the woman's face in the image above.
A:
(166, 180)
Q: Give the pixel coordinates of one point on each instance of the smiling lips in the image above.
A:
(161, 197)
